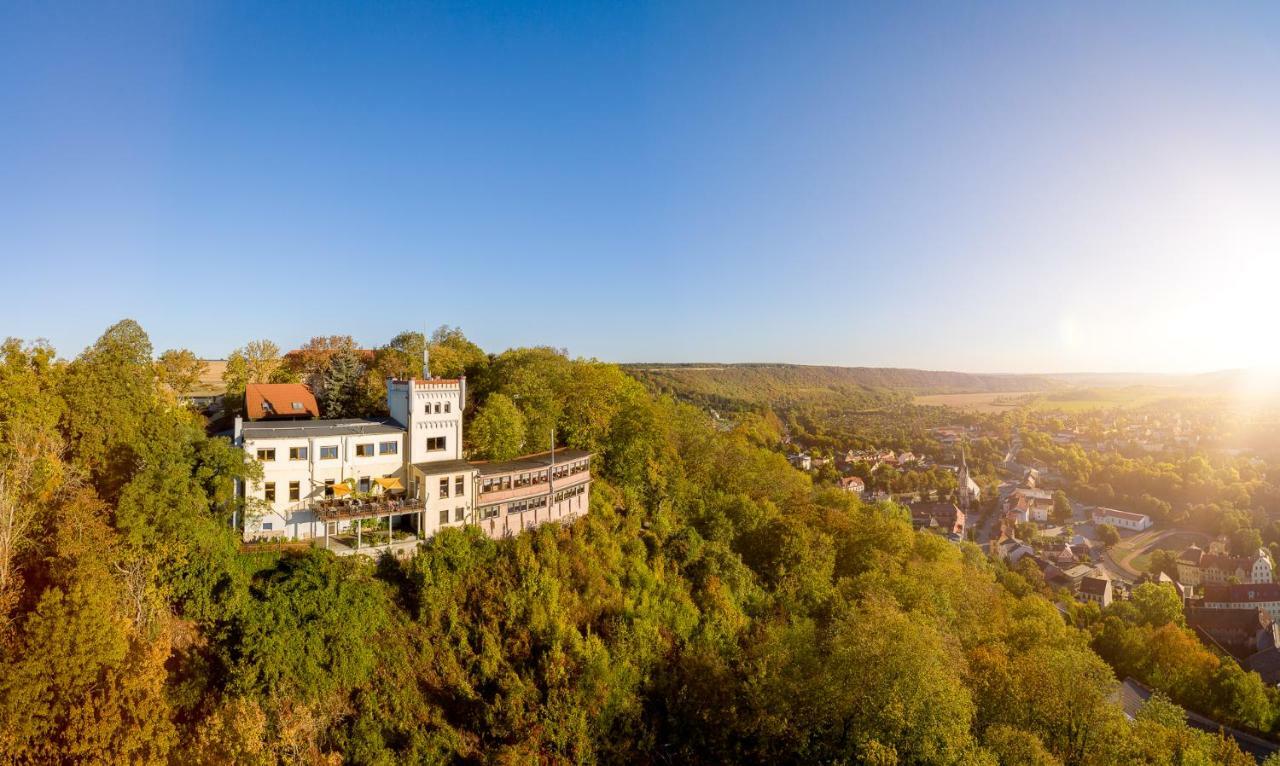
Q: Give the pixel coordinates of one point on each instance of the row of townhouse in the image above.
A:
(1198, 567)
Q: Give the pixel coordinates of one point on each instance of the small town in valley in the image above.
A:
(1029, 509)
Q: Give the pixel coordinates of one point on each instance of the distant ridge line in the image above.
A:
(741, 378)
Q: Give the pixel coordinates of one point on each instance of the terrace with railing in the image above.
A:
(349, 508)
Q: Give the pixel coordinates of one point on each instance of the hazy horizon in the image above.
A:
(1004, 188)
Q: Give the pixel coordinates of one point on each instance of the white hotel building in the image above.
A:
(406, 472)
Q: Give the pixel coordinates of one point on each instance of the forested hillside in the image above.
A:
(713, 607)
(767, 382)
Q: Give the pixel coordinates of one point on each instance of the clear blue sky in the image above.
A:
(986, 187)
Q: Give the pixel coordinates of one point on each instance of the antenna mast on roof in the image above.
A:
(426, 353)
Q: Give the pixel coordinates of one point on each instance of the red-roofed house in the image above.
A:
(279, 401)
(853, 484)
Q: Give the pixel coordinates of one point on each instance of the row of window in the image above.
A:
(269, 491)
(495, 484)
(520, 506)
(459, 487)
(568, 469)
(565, 494)
(428, 408)
(458, 515)
(501, 483)
(529, 479)
(330, 452)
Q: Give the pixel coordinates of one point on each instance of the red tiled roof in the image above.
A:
(1242, 594)
(1248, 620)
(1227, 563)
(264, 401)
(944, 515)
(1191, 555)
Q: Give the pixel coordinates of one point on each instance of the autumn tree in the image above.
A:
(1245, 541)
(312, 359)
(256, 362)
(497, 431)
(453, 355)
(401, 357)
(110, 393)
(180, 370)
(1157, 604)
(31, 467)
(96, 675)
(1061, 507)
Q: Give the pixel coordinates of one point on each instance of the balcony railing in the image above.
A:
(342, 509)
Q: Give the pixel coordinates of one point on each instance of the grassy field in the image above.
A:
(1071, 400)
(982, 402)
(211, 380)
(1173, 543)
(1082, 399)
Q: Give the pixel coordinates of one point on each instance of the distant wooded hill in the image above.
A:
(769, 382)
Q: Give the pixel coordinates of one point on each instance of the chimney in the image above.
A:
(238, 434)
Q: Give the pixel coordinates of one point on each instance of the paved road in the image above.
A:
(1117, 571)
(988, 530)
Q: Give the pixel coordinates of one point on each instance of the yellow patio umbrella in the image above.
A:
(340, 490)
(389, 483)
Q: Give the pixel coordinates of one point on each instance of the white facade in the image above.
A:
(1262, 570)
(1121, 519)
(431, 413)
(1216, 569)
(416, 455)
(302, 460)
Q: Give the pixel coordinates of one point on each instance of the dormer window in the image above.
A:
(297, 406)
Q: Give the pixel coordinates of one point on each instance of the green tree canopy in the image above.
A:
(497, 431)
(179, 370)
(341, 389)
